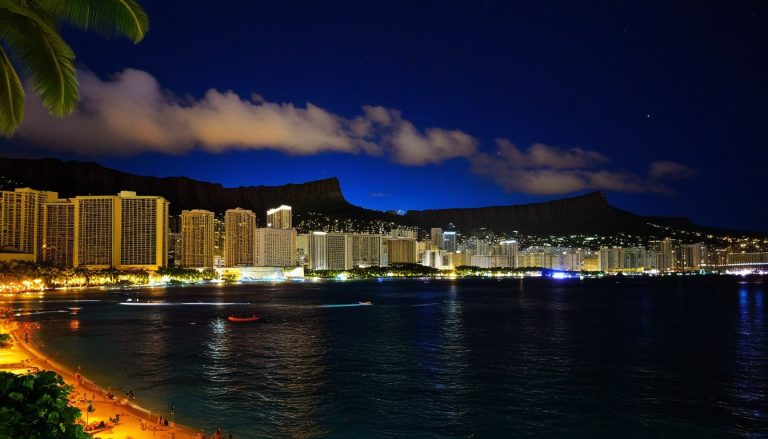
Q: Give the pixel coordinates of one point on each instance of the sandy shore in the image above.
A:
(135, 421)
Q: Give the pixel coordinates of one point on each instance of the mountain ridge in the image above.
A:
(582, 214)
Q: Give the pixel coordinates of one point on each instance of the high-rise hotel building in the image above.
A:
(96, 229)
(275, 247)
(510, 248)
(402, 251)
(59, 233)
(368, 250)
(240, 228)
(343, 251)
(122, 231)
(436, 236)
(143, 231)
(449, 241)
(197, 239)
(21, 221)
(280, 217)
(329, 251)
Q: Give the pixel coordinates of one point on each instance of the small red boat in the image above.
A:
(251, 319)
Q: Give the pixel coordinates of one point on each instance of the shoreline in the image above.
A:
(533, 273)
(133, 417)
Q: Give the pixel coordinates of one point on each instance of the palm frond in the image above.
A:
(11, 96)
(47, 59)
(125, 17)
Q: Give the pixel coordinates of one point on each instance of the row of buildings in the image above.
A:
(130, 231)
(123, 231)
(127, 230)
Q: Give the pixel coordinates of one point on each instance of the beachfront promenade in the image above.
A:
(134, 422)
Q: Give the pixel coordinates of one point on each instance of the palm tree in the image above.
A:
(29, 31)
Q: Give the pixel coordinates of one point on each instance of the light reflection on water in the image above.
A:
(751, 354)
(674, 357)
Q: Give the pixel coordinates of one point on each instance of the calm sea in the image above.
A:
(631, 357)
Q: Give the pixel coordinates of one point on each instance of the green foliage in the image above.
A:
(30, 30)
(107, 17)
(52, 276)
(188, 275)
(394, 270)
(230, 277)
(36, 407)
(47, 60)
(5, 340)
(11, 95)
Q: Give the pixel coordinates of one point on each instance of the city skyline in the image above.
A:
(654, 137)
(131, 231)
(358, 219)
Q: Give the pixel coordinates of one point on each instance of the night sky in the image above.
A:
(660, 104)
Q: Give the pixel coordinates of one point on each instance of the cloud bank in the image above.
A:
(131, 113)
(548, 170)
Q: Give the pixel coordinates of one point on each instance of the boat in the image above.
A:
(235, 319)
(365, 302)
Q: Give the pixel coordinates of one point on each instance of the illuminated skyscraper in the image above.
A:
(667, 252)
(197, 238)
(339, 251)
(402, 251)
(59, 233)
(368, 250)
(122, 231)
(280, 217)
(96, 219)
(693, 256)
(317, 251)
(275, 247)
(240, 225)
(343, 251)
(143, 229)
(436, 235)
(329, 251)
(21, 220)
(510, 249)
(449, 241)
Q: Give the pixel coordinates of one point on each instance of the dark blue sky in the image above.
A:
(637, 82)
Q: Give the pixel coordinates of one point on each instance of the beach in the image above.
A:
(134, 421)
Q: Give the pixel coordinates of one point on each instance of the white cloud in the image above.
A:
(131, 113)
(548, 170)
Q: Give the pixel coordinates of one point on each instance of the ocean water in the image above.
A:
(631, 357)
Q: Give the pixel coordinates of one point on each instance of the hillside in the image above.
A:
(585, 214)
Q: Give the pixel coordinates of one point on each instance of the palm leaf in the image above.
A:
(11, 96)
(125, 17)
(47, 59)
